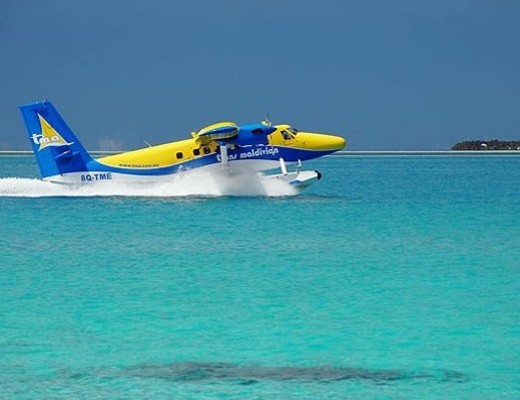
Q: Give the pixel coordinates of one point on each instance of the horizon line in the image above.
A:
(338, 153)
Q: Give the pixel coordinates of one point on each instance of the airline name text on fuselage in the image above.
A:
(257, 152)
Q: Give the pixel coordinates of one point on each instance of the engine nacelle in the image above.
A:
(229, 133)
(218, 131)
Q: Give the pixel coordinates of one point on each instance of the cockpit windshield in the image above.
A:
(289, 133)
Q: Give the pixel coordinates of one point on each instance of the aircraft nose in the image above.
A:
(337, 142)
(318, 141)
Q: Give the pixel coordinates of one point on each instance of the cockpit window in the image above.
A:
(286, 135)
(289, 133)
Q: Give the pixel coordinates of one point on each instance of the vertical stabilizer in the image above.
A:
(55, 146)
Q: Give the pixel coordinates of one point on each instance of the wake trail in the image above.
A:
(190, 183)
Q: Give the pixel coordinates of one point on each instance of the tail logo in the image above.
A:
(48, 137)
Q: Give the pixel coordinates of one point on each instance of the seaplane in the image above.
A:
(268, 150)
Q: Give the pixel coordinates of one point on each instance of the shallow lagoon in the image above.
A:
(394, 277)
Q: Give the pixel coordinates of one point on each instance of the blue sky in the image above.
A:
(384, 74)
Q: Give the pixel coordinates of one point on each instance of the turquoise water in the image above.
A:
(392, 278)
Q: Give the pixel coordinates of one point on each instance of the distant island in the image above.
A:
(488, 145)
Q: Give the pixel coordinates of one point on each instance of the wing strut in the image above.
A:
(283, 167)
(224, 154)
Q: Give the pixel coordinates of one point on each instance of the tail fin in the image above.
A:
(55, 146)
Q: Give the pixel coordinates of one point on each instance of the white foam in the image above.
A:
(191, 183)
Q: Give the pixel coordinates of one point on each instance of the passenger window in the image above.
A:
(196, 152)
(179, 155)
(206, 150)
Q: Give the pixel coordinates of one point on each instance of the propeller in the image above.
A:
(267, 120)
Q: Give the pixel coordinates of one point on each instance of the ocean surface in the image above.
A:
(395, 277)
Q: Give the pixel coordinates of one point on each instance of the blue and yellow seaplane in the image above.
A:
(259, 148)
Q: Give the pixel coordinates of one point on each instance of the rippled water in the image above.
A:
(393, 277)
